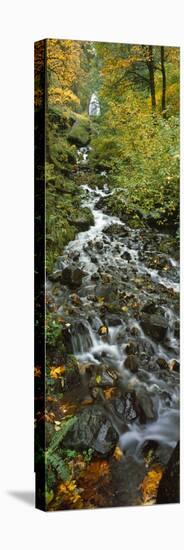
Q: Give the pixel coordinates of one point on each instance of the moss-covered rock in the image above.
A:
(80, 133)
(83, 219)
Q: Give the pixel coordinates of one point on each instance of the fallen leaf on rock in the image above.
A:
(87, 402)
(103, 330)
(70, 495)
(51, 399)
(118, 453)
(95, 484)
(109, 393)
(68, 408)
(55, 372)
(150, 483)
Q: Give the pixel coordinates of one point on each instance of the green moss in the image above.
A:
(81, 131)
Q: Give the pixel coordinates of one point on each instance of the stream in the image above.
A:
(123, 321)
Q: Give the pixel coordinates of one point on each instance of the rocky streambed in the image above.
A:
(115, 293)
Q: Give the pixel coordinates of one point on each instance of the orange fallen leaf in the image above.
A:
(109, 392)
(55, 372)
(51, 399)
(87, 401)
(118, 453)
(150, 483)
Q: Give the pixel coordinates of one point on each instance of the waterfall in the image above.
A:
(94, 105)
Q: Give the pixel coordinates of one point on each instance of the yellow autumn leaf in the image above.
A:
(150, 483)
(55, 372)
(118, 453)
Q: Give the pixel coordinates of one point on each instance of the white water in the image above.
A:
(89, 346)
(94, 105)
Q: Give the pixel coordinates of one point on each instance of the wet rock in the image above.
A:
(177, 329)
(75, 299)
(106, 277)
(72, 276)
(162, 363)
(94, 321)
(77, 337)
(154, 325)
(174, 365)
(98, 244)
(72, 376)
(103, 380)
(84, 220)
(95, 276)
(124, 407)
(116, 229)
(131, 363)
(143, 405)
(131, 348)
(126, 255)
(134, 331)
(146, 350)
(149, 307)
(92, 429)
(169, 487)
(113, 320)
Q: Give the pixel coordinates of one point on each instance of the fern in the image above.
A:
(59, 436)
(59, 465)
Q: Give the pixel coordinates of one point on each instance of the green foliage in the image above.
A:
(53, 330)
(58, 437)
(88, 455)
(80, 131)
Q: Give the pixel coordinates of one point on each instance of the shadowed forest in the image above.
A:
(111, 416)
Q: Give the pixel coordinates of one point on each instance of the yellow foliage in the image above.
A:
(118, 453)
(150, 483)
(55, 372)
(63, 70)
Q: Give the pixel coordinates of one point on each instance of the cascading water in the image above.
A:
(94, 105)
(114, 268)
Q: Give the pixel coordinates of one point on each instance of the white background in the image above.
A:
(22, 527)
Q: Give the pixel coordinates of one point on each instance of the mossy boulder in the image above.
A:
(83, 219)
(80, 133)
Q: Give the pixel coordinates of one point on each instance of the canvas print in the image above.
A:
(106, 274)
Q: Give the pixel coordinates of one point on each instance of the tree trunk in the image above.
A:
(163, 82)
(150, 65)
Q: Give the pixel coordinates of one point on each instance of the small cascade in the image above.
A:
(121, 286)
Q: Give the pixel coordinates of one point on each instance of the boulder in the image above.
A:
(143, 405)
(92, 429)
(83, 220)
(162, 363)
(116, 229)
(79, 134)
(154, 326)
(72, 276)
(126, 255)
(131, 347)
(124, 407)
(149, 307)
(169, 487)
(131, 363)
